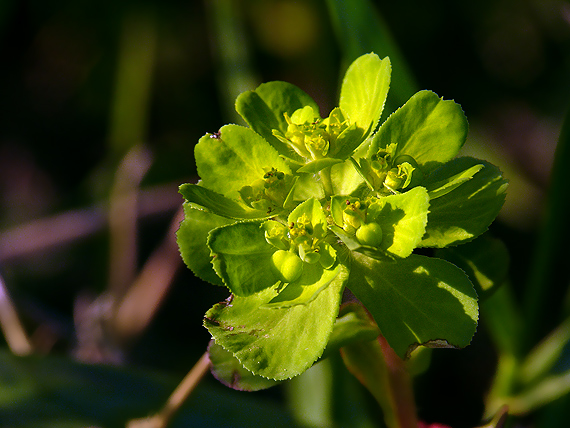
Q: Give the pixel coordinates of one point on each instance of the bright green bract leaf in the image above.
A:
(277, 343)
(364, 90)
(427, 128)
(313, 280)
(468, 210)
(219, 204)
(416, 301)
(242, 257)
(263, 110)
(192, 237)
(403, 219)
(229, 371)
(443, 187)
(234, 158)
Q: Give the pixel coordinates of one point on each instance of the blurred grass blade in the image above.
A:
(360, 29)
(549, 267)
(133, 81)
(543, 357)
(234, 73)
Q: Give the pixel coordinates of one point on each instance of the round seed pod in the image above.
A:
(369, 234)
(287, 264)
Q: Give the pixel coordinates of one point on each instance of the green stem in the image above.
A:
(325, 175)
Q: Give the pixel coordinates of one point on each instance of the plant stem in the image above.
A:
(400, 387)
(177, 398)
(325, 176)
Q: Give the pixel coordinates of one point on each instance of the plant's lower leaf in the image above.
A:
(467, 211)
(416, 301)
(229, 371)
(192, 237)
(485, 260)
(277, 343)
(242, 257)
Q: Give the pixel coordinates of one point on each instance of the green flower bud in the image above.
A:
(369, 234)
(287, 265)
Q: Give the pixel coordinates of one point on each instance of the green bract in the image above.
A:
(296, 207)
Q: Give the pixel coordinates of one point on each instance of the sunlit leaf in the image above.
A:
(276, 343)
(263, 110)
(242, 257)
(233, 158)
(192, 237)
(427, 128)
(364, 90)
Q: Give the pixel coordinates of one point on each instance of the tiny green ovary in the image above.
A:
(287, 264)
(369, 234)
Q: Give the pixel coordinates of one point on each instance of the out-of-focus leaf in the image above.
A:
(50, 392)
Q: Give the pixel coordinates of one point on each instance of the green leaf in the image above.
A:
(427, 128)
(277, 343)
(263, 110)
(192, 237)
(485, 260)
(313, 280)
(403, 219)
(233, 158)
(345, 178)
(229, 371)
(242, 257)
(467, 211)
(219, 204)
(443, 187)
(416, 301)
(364, 90)
(353, 325)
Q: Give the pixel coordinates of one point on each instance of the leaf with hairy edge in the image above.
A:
(403, 219)
(229, 371)
(219, 204)
(233, 158)
(427, 128)
(263, 110)
(242, 257)
(192, 237)
(364, 90)
(276, 343)
(467, 211)
(416, 301)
